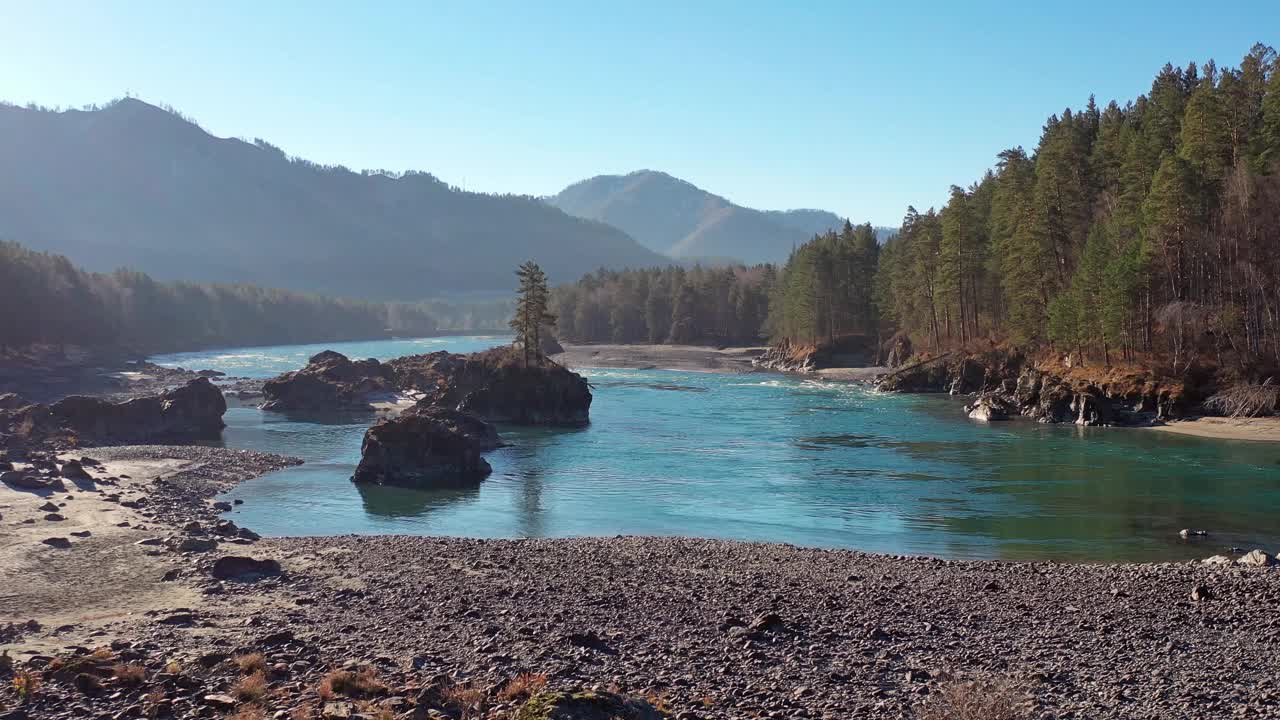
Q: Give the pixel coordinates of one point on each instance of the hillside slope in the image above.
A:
(134, 185)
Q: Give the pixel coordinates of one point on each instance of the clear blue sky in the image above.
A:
(859, 108)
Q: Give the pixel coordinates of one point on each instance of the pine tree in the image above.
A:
(531, 311)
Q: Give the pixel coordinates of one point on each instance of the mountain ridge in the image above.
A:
(677, 218)
(131, 184)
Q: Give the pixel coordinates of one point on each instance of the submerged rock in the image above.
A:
(426, 447)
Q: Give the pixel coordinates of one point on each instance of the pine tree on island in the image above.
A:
(531, 311)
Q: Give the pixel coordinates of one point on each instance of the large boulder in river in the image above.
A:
(497, 386)
(330, 381)
(991, 407)
(426, 447)
(192, 411)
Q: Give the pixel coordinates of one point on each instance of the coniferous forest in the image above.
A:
(1144, 230)
(47, 300)
(722, 305)
(1147, 228)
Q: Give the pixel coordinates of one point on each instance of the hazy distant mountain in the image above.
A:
(677, 218)
(134, 185)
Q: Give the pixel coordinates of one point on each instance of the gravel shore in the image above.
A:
(702, 628)
(689, 358)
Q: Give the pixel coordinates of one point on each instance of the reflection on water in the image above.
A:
(765, 457)
(397, 502)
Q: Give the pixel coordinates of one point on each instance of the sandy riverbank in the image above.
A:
(689, 358)
(706, 629)
(1263, 429)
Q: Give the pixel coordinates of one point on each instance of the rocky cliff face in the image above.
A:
(192, 411)
(426, 447)
(1008, 384)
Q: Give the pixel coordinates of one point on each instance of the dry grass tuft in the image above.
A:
(251, 663)
(523, 686)
(173, 667)
(250, 688)
(466, 700)
(374, 712)
(306, 711)
(248, 712)
(350, 684)
(130, 675)
(989, 699)
(659, 701)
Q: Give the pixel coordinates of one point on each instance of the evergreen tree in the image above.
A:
(531, 311)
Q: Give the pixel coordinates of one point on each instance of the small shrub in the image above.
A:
(523, 686)
(251, 688)
(251, 663)
(990, 699)
(156, 703)
(173, 667)
(130, 675)
(350, 684)
(249, 712)
(26, 684)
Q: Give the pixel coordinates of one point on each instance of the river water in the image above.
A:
(773, 458)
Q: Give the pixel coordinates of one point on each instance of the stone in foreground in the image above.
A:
(588, 705)
(238, 567)
(428, 447)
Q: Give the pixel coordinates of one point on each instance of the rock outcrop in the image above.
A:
(494, 385)
(330, 381)
(190, 412)
(426, 447)
(1011, 384)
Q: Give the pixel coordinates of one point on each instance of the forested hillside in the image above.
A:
(137, 186)
(47, 300)
(1148, 227)
(723, 305)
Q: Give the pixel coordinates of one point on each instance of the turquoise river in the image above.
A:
(773, 458)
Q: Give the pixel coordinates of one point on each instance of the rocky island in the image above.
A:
(494, 385)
